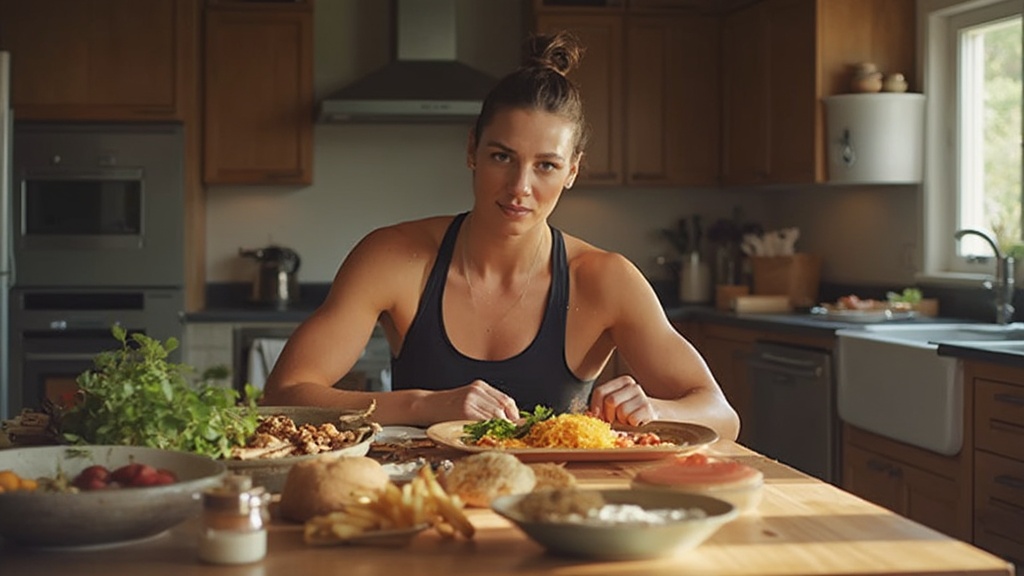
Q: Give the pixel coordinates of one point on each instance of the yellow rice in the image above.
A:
(570, 431)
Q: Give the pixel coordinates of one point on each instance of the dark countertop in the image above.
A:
(1005, 353)
(228, 303)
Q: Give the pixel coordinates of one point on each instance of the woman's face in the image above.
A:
(521, 165)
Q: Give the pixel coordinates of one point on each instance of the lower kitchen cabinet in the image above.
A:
(998, 458)
(726, 350)
(926, 487)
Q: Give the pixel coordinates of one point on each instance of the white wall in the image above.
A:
(366, 176)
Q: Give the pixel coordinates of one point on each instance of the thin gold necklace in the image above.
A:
(526, 285)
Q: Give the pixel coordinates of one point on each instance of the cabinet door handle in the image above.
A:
(1010, 481)
(879, 466)
(1008, 427)
(647, 176)
(1010, 399)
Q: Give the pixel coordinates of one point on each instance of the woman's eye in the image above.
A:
(500, 156)
(547, 167)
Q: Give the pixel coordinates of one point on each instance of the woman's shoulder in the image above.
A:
(588, 260)
(422, 236)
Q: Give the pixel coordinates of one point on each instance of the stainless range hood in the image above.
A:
(425, 83)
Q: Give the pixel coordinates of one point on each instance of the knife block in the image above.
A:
(795, 276)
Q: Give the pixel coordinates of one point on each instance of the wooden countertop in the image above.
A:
(802, 526)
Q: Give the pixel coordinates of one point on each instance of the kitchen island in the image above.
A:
(802, 526)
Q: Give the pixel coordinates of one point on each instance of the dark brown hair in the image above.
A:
(541, 84)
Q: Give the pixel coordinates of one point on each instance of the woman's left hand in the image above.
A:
(622, 400)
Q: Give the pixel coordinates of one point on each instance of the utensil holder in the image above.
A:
(694, 280)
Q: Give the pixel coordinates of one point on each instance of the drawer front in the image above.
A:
(999, 504)
(999, 418)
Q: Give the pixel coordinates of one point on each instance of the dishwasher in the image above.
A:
(794, 416)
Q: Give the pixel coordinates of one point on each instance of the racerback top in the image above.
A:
(538, 375)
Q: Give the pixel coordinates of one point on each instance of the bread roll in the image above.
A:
(328, 483)
(484, 476)
(550, 475)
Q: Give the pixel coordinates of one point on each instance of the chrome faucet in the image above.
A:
(1003, 283)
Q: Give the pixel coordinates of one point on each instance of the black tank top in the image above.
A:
(538, 375)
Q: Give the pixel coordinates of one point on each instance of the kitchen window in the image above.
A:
(972, 76)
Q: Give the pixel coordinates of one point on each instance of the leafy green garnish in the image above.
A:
(909, 296)
(135, 397)
(501, 429)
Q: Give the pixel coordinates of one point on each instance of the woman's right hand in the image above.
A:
(477, 400)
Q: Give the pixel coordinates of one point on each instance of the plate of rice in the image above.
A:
(579, 437)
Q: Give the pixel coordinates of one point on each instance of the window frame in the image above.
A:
(939, 22)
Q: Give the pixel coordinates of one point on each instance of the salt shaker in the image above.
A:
(234, 523)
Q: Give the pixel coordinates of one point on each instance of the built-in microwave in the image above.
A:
(98, 205)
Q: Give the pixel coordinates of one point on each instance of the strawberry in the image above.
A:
(125, 475)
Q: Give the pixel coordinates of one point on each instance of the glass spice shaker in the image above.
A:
(233, 529)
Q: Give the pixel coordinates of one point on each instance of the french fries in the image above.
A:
(420, 502)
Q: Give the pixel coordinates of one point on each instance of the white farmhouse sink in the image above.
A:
(891, 381)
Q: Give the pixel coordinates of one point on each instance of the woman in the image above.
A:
(493, 310)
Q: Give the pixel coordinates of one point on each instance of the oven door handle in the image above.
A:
(811, 372)
(58, 357)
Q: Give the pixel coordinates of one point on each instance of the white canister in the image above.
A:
(694, 280)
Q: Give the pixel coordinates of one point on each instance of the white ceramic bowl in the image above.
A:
(272, 472)
(53, 519)
(625, 541)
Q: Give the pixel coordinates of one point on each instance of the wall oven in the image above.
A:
(56, 333)
(98, 204)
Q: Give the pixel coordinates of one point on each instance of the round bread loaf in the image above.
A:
(326, 484)
(482, 477)
(550, 475)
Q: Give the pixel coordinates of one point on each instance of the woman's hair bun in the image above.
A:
(561, 52)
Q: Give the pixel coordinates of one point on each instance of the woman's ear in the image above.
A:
(574, 171)
(471, 151)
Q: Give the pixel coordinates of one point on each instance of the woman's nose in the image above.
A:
(521, 183)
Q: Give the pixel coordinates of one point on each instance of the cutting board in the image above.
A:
(760, 303)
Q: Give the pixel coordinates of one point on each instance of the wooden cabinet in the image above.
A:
(903, 481)
(672, 100)
(651, 95)
(600, 79)
(100, 60)
(258, 93)
(779, 59)
(726, 350)
(999, 458)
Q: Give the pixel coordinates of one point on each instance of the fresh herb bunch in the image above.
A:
(135, 397)
(503, 429)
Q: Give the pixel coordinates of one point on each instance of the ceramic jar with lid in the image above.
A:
(866, 78)
(233, 529)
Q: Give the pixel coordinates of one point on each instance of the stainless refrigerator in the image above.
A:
(6, 271)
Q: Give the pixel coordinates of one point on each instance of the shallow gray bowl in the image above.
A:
(625, 541)
(271, 473)
(53, 519)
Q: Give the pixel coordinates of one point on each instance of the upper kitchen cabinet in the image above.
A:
(258, 93)
(651, 90)
(600, 79)
(99, 60)
(779, 59)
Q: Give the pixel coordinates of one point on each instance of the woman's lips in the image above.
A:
(513, 210)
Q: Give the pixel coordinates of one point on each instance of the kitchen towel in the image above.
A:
(262, 356)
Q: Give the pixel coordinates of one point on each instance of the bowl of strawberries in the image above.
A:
(95, 495)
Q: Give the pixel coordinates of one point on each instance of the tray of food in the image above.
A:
(543, 436)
